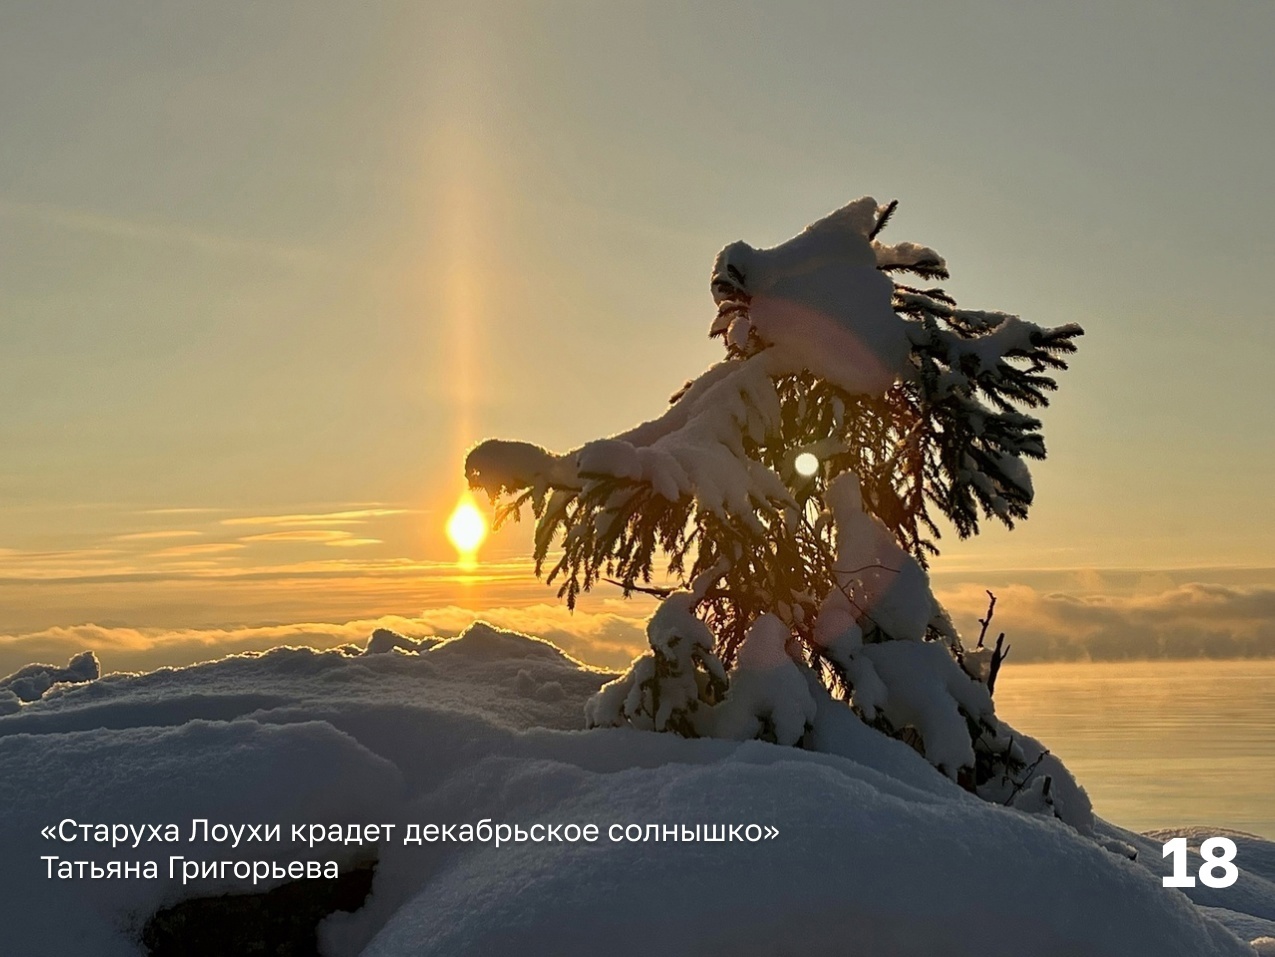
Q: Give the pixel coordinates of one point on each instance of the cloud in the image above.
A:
(203, 548)
(321, 536)
(351, 517)
(606, 637)
(144, 649)
(159, 233)
(412, 572)
(180, 511)
(319, 602)
(1188, 620)
(44, 566)
(298, 535)
(148, 536)
(90, 555)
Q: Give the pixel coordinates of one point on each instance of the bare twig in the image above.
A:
(1027, 776)
(864, 568)
(645, 590)
(991, 610)
(661, 593)
(999, 654)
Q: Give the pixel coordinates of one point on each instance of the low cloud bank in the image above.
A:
(1190, 620)
(605, 639)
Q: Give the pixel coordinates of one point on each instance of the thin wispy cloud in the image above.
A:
(359, 574)
(298, 535)
(351, 517)
(149, 536)
(318, 536)
(95, 553)
(203, 548)
(29, 566)
(95, 223)
(194, 510)
(20, 565)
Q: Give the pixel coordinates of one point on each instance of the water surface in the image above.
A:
(1157, 744)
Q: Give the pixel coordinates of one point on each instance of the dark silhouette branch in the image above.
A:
(999, 654)
(1027, 776)
(991, 610)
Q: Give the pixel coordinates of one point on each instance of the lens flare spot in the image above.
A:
(466, 529)
(806, 464)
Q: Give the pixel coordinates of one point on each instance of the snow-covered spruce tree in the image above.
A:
(793, 490)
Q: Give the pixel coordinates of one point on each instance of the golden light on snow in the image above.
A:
(466, 529)
(806, 464)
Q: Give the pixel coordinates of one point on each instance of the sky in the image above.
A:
(268, 270)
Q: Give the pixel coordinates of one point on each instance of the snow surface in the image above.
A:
(766, 687)
(877, 853)
(31, 682)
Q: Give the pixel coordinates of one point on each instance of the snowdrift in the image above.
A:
(877, 853)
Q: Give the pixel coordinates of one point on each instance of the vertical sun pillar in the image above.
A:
(466, 186)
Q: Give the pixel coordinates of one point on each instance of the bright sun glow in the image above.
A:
(806, 464)
(466, 528)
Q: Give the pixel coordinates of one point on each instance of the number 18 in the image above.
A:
(1218, 854)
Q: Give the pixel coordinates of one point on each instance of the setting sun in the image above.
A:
(466, 529)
